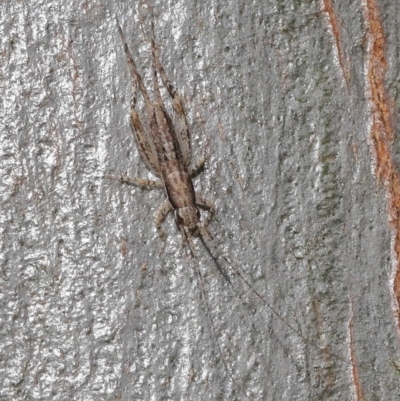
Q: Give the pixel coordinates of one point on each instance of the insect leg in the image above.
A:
(183, 129)
(134, 72)
(207, 205)
(145, 144)
(160, 216)
(137, 182)
(156, 85)
(196, 169)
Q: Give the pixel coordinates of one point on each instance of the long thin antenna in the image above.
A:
(196, 268)
(209, 244)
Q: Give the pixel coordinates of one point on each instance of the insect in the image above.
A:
(165, 147)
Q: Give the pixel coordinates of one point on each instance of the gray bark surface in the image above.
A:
(92, 308)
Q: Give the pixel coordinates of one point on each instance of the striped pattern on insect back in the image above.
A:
(175, 175)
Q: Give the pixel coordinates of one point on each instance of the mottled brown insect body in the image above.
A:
(174, 172)
(165, 148)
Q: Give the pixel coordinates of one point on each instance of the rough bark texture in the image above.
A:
(295, 105)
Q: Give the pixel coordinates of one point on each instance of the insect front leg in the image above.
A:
(207, 205)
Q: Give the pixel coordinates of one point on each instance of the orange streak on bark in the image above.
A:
(382, 129)
(335, 25)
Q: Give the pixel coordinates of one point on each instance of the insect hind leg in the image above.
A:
(183, 132)
(145, 145)
(136, 78)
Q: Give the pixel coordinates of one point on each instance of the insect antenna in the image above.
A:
(217, 256)
(197, 270)
(188, 239)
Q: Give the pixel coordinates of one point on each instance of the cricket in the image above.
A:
(165, 147)
(166, 150)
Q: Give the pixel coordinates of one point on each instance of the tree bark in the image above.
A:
(294, 103)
